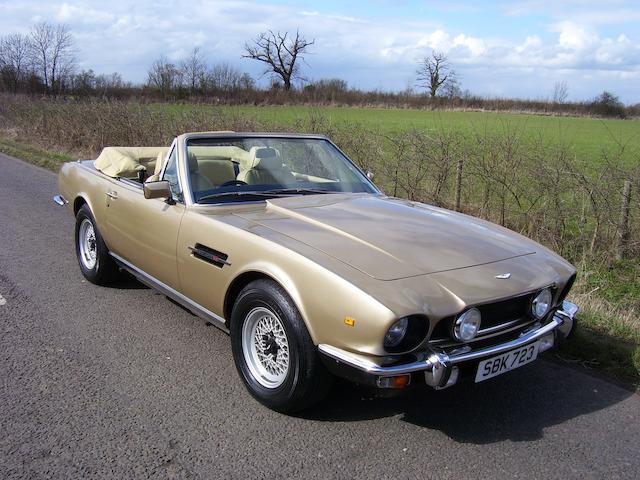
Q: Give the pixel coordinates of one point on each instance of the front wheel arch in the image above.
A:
(237, 285)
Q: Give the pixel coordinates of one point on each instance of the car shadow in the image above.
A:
(517, 406)
(126, 281)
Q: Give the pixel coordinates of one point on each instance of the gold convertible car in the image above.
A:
(281, 241)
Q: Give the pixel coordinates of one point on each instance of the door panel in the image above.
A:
(144, 232)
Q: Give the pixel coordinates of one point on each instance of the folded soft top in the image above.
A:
(127, 161)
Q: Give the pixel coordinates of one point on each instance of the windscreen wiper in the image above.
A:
(253, 194)
(294, 191)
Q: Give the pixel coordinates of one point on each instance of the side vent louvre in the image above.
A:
(209, 255)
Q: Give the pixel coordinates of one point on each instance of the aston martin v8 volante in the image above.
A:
(284, 243)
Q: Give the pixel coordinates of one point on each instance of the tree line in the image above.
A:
(43, 61)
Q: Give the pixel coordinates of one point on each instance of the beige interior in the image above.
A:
(128, 161)
(264, 166)
(216, 164)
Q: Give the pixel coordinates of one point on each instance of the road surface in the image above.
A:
(122, 383)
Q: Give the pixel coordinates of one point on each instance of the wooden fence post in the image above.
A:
(458, 192)
(623, 226)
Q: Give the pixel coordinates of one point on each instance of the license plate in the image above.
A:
(494, 366)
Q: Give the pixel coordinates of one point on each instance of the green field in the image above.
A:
(557, 180)
(587, 137)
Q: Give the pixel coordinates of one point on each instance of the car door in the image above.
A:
(144, 232)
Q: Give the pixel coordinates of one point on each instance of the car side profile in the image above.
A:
(284, 243)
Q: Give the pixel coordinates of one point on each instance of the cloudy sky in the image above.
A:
(503, 48)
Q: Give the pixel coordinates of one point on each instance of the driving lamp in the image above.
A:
(467, 325)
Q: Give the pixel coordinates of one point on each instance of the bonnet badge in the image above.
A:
(503, 276)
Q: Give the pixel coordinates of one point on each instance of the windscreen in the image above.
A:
(245, 168)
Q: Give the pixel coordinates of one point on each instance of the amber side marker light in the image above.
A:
(350, 322)
(397, 382)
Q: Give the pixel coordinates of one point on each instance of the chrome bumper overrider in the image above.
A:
(438, 365)
(60, 200)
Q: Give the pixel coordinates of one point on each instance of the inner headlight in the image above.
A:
(396, 333)
(467, 325)
(541, 303)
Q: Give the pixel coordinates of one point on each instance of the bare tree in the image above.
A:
(164, 76)
(560, 91)
(434, 72)
(14, 59)
(52, 54)
(193, 70)
(280, 53)
(224, 77)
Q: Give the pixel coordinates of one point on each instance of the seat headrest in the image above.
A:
(159, 163)
(193, 163)
(265, 158)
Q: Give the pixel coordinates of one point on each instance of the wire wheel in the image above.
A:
(265, 347)
(88, 244)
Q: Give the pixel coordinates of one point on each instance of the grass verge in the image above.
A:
(608, 335)
(37, 156)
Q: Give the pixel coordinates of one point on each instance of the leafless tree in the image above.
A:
(435, 72)
(193, 70)
(109, 84)
(164, 76)
(14, 59)
(280, 53)
(224, 77)
(560, 91)
(52, 53)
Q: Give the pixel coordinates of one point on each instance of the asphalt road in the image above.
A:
(122, 383)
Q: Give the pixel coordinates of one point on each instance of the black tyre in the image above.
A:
(96, 264)
(273, 351)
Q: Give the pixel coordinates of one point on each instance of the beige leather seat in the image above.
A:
(218, 171)
(264, 167)
(157, 169)
(199, 182)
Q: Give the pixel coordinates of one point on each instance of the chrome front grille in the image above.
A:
(498, 318)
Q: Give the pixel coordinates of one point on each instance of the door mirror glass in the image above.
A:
(160, 189)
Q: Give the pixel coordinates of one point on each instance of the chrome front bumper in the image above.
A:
(439, 366)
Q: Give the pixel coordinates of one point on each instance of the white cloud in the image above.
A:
(368, 52)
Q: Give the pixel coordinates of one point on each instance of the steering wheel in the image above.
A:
(234, 182)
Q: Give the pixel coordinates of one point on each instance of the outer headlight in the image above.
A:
(541, 303)
(467, 325)
(396, 333)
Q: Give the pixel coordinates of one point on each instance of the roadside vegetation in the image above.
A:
(572, 184)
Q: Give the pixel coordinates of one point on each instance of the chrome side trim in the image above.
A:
(435, 360)
(60, 200)
(165, 289)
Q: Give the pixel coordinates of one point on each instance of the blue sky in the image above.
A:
(517, 48)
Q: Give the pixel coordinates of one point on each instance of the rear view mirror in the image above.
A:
(160, 189)
(369, 174)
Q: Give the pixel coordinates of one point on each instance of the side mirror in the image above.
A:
(160, 189)
(370, 175)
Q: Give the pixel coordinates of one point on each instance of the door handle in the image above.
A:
(112, 194)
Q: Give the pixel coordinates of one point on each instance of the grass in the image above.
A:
(588, 137)
(608, 293)
(37, 156)
(609, 334)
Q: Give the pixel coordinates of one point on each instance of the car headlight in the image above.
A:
(541, 303)
(467, 325)
(396, 333)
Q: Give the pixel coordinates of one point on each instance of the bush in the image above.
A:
(608, 105)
